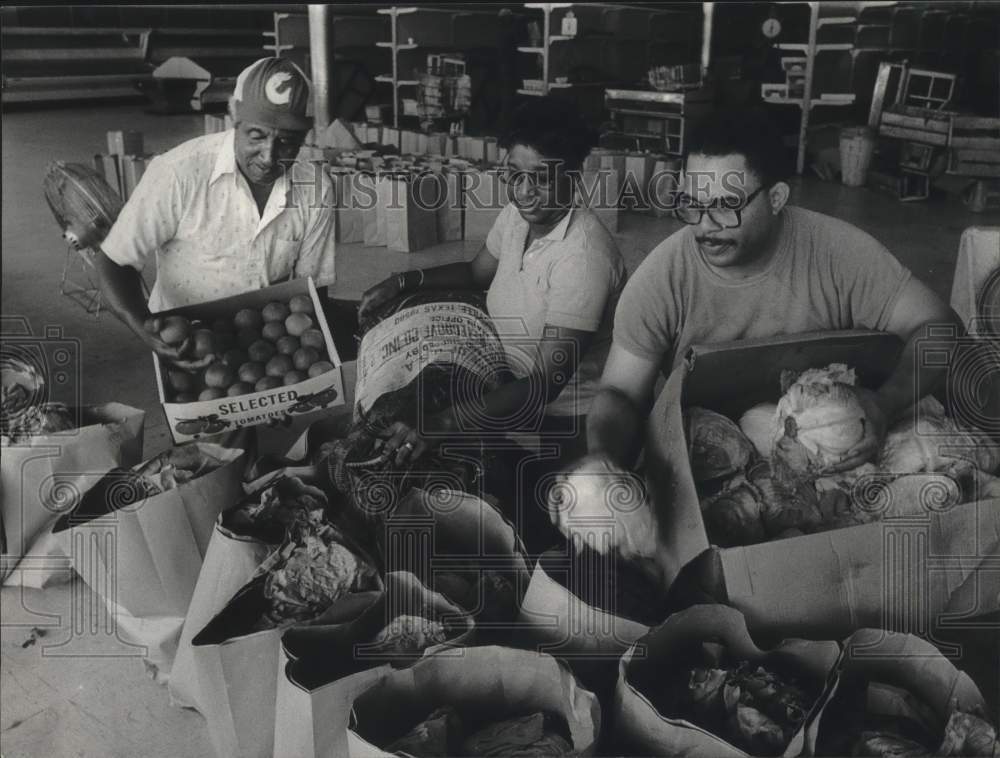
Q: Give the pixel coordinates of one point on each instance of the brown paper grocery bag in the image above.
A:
(238, 668)
(889, 674)
(485, 196)
(482, 684)
(45, 477)
(372, 213)
(229, 563)
(666, 651)
(409, 204)
(450, 210)
(329, 666)
(144, 558)
(350, 221)
(556, 619)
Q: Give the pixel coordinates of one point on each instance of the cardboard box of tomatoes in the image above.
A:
(274, 358)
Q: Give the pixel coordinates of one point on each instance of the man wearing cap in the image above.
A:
(225, 213)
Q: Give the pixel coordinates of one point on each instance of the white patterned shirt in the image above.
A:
(194, 211)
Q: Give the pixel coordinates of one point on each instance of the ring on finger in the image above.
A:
(408, 445)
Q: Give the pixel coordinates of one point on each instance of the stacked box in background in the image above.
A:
(124, 163)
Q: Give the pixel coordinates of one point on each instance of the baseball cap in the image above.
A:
(273, 92)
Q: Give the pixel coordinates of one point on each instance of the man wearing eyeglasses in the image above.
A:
(747, 265)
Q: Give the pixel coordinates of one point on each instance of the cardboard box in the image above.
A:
(190, 421)
(824, 584)
(390, 136)
(450, 212)
(125, 143)
(485, 196)
(373, 212)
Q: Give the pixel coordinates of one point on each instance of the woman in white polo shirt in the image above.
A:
(553, 275)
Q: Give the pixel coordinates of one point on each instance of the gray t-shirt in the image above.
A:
(825, 275)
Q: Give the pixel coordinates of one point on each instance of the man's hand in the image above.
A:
(877, 415)
(181, 355)
(377, 296)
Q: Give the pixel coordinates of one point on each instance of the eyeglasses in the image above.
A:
(540, 180)
(725, 212)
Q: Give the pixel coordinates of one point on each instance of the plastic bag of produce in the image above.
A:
(329, 664)
(144, 532)
(898, 695)
(45, 476)
(698, 685)
(478, 701)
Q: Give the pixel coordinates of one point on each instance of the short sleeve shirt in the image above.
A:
(825, 275)
(194, 213)
(570, 278)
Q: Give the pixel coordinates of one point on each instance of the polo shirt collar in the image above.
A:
(558, 232)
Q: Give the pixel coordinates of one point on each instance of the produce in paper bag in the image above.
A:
(408, 635)
(820, 423)
(269, 513)
(758, 425)
(716, 446)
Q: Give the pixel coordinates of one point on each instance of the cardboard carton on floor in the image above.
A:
(824, 584)
(190, 421)
(350, 220)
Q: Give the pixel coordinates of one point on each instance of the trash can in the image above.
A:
(857, 143)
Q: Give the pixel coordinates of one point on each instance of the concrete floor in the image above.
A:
(87, 695)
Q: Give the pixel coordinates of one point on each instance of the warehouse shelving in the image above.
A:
(807, 102)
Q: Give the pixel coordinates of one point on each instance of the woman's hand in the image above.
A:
(402, 444)
(181, 356)
(378, 296)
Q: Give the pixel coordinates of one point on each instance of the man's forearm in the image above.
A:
(497, 408)
(914, 376)
(614, 427)
(122, 290)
